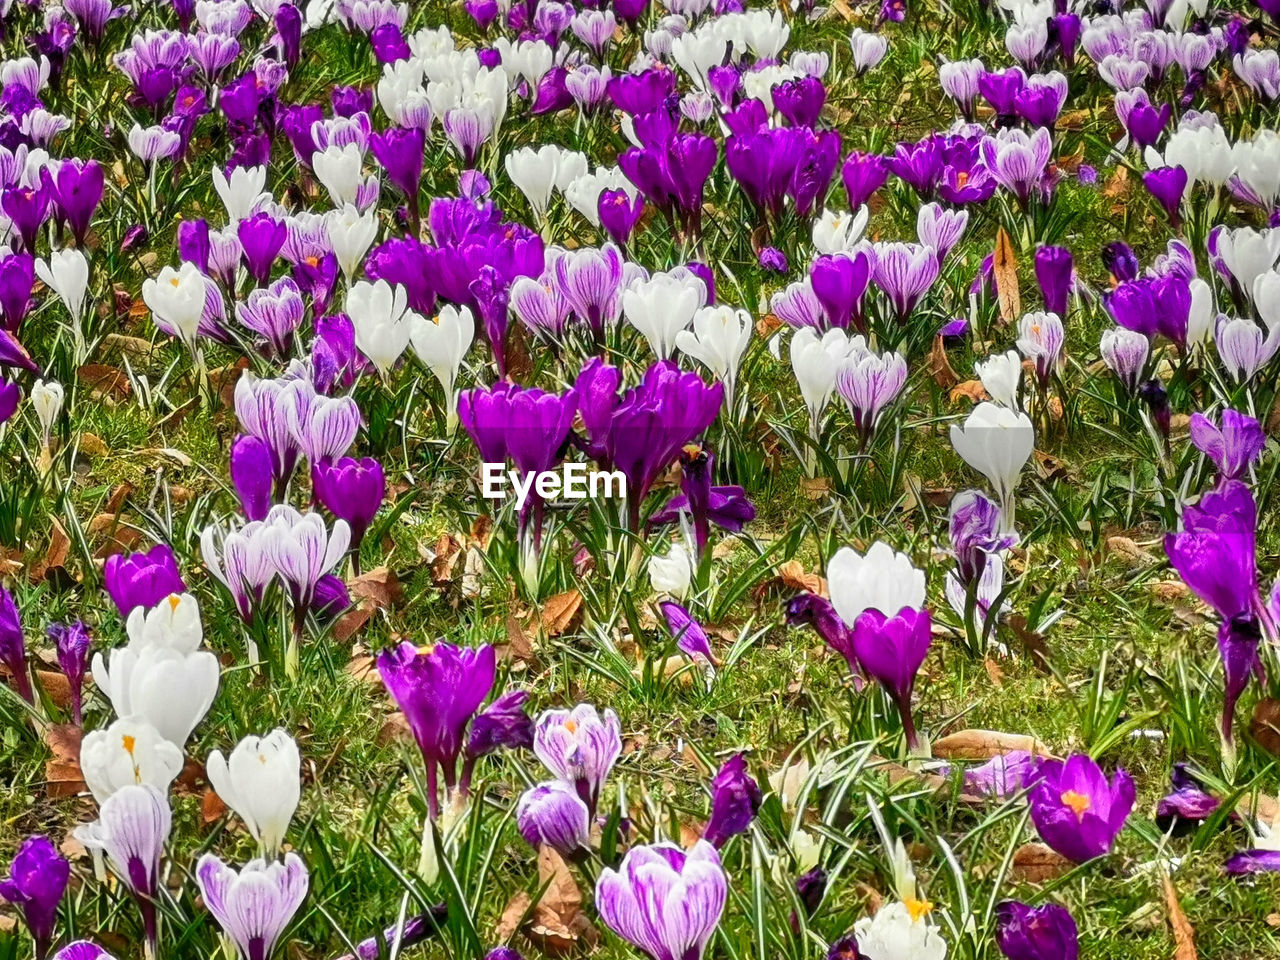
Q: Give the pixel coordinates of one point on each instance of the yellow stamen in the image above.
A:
(1078, 803)
(571, 726)
(174, 600)
(917, 908)
(129, 743)
(173, 282)
(262, 759)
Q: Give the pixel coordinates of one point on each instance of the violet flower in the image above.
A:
(251, 475)
(13, 647)
(1214, 553)
(255, 904)
(351, 490)
(579, 746)
(1233, 447)
(1238, 642)
(1077, 812)
(691, 639)
(1055, 274)
(1001, 776)
(142, 579)
(1187, 804)
(817, 612)
(904, 272)
(892, 650)
(73, 644)
(725, 506)
(37, 880)
(552, 814)
(1036, 933)
(735, 801)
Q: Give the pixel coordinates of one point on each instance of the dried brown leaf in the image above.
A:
(558, 612)
(1004, 268)
(972, 390)
(379, 586)
(985, 744)
(944, 375)
(1036, 863)
(1184, 935)
(793, 575)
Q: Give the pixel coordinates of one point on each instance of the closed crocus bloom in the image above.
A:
(142, 579)
(439, 690)
(1036, 933)
(1266, 298)
(661, 307)
(534, 173)
(1246, 253)
(274, 313)
(879, 580)
(1077, 812)
(251, 475)
(1244, 347)
(132, 828)
(170, 690)
(1001, 376)
(260, 782)
(177, 298)
(242, 192)
(46, 400)
(442, 342)
(339, 169)
(940, 228)
(735, 800)
(351, 490)
(1055, 274)
(815, 360)
(891, 649)
(673, 573)
(905, 272)
(256, 904)
(719, 339)
(241, 563)
(82, 950)
(383, 322)
(579, 746)
(868, 49)
(869, 383)
(303, 550)
(1041, 338)
(351, 233)
(663, 900)
(66, 273)
(1125, 353)
(1234, 446)
(691, 639)
(10, 397)
(37, 880)
(73, 643)
(1214, 553)
(553, 814)
(172, 624)
(899, 931)
(130, 751)
(997, 442)
(839, 232)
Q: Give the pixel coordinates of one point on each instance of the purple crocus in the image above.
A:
(17, 278)
(1036, 933)
(838, 281)
(1167, 185)
(400, 151)
(552, 814)
(690, 637)
(1056, 275)
(142, 579)
(904, 272)
(351, 490)
(73, 642)
(1187, 804)
(817, 612)
(974, 529)
(76, 190)
(261, 238)
(735, 800)
(1018, 160)
(502, 725)
(863, 174)
(1077, 812)
(13, 646)
(255, 904)
(251, 475)
(1238, 641)
(725, 506)
(1214, 551)
(10, 397)
(439, 690)
(37, 880)
(1001, 776)
(663, 900)
(892, 650)
(579, 746)
(1234, 446)
(869, 383)
(619, 213)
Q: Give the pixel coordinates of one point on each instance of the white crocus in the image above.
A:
(351, 234)
(661, 307)
(1001, 376)
(673, 573)
(46, 400)
(339, 169)
(260, 782)
(441, 343)
(172, 624)
(815, 361)
(177, 297)
(881, 579)
(1248, 254)
(243, 192)
(997, 442)
(66, 273)
(535, 173)
(899, 931)
(718, 340)
(170, 690)
(1266, 298)
(130, 751)
(383, 321)
(839, 231)
(1203, 313)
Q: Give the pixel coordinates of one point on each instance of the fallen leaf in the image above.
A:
(379, 586)
(557, 922)
(939, 365)
(105, 381)
(448, 549)
(513, 916)
(1036, 863)
(71, 848)
(1004, 269)
(815, 488)
(1129, 552)
(211, 807)
(1184, 936)
(63, 778)
(969, 390)
(766, 325)
(57, 687)
(1033, 642)
(558, 612)
(985, 744)
(351, 622)
(793, 575)
(55, 556)
(363, 668)
(519, 643)
(1265, 725)
(994, 672)
(63, 741)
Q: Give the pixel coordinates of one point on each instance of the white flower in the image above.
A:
(673, 573)
(868, 49)
(882, 579)
(719, 339)
(129, 751)
(170, 690)
(815, 362)
(535, 173)
(997, 442)
(1248, 253)
(46, 398)
(662, 306)
(66, 273)
(351, 234)
(172, 624)
(243, 192)
(838, 231)
(382, 320)
(1266, 298)
(1203, 313)
(442, 342)
(1001, 376)
(177, 298)
(340, 170)
(260, 782)
(899, 931)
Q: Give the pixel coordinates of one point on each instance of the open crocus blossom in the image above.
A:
(129, 751)
(663, 900)
(1077, 812)
(1214, 553)
(1036, 933)
(439, 690)
(37, 879)
(1233, 446)
(579, 746)
(259, 781)
(254, 905)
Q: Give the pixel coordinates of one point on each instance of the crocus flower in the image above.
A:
(1187, 804)
(1001, 377)
(1001, 776)
(904, 272)
(663, 900)
(880, 580)
(1234, 446)
(662, 306)
(997, 442)
(132, 828)
(869, 383)
(1125, 353)
(439, 691)
(303, 551)
(17, 277)
(891, 649)
(690, 637)
(718, 340)
(1041, 338)
(251, 475)
(255, 904)
(142, 579)
(260, 782)
(502, 724)
(1238, 641)
(129, 751)
(553, 814)
(1077, 812)
(37, 880)
(1056, 276)
(1214, 552)
(863, 174)
(1168, 185)
(579, 746)
(725, 506)
(898, 931)
(1036, 933)
(13, 647)
(351, 490)
(73, 643)
(735, 800)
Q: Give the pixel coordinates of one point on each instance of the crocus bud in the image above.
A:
(142, 579)
(1125, 353)
(251, 475)
(690, 638)
(73, 642)
(673, 573)
(1035, 933)
(554, 815)
(260, 782)
(37, 880)
(351, 490)
(13, 647)
(46, 399)
(997, 442)
(892, 650)
(735, 800)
